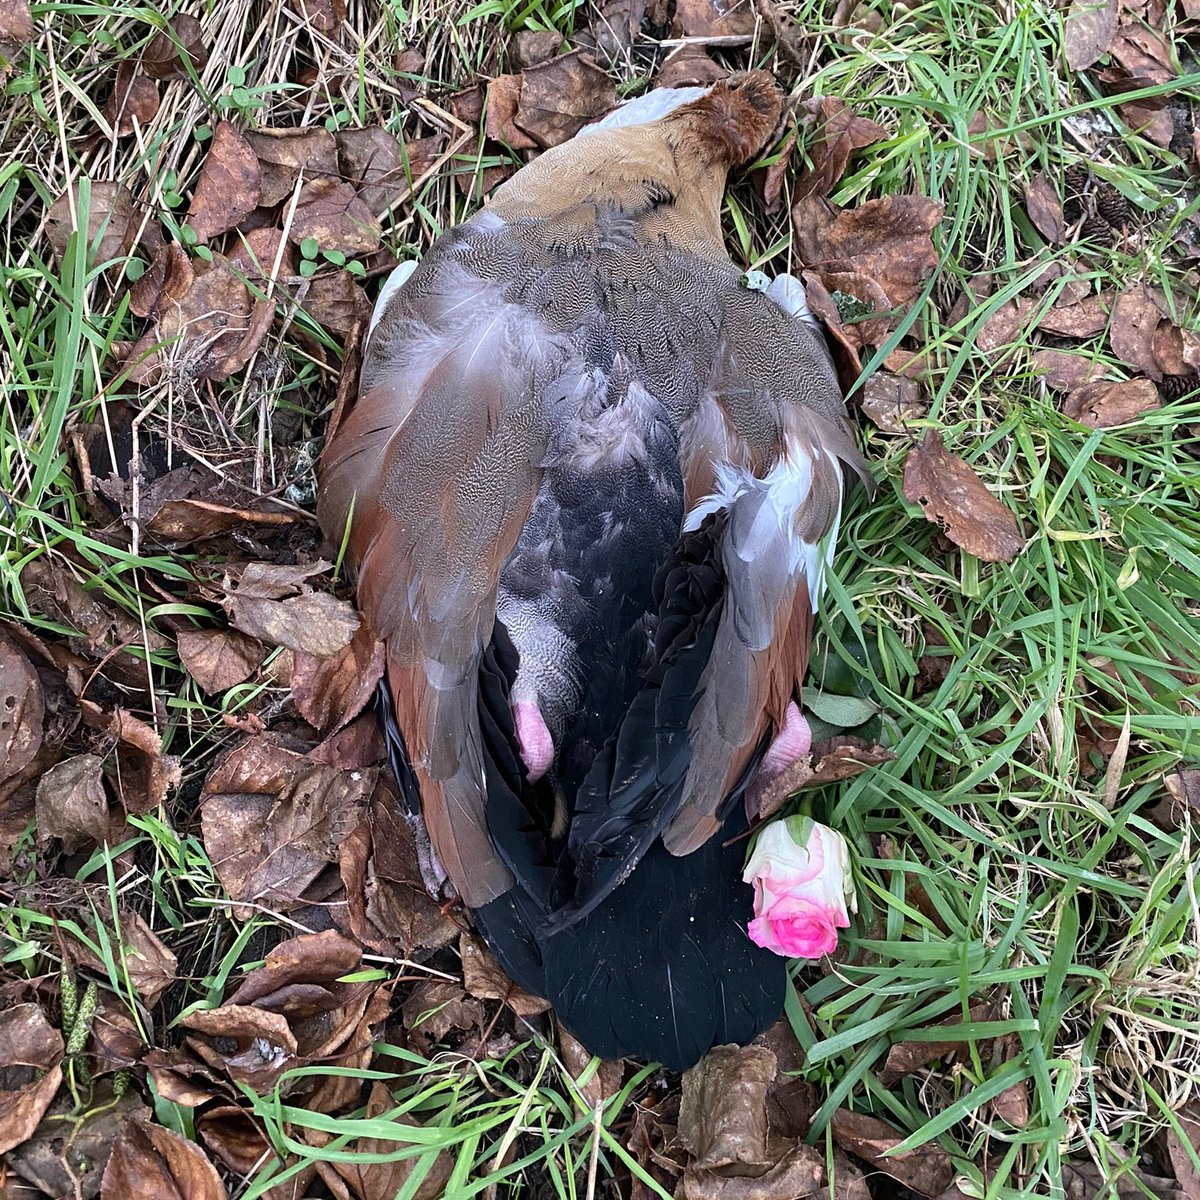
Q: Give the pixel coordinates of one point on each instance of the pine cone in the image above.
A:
(1112, 206)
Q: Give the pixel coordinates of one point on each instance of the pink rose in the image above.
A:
(800, 872)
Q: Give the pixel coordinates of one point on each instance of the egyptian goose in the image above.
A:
(592, 482)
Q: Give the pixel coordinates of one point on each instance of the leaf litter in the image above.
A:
(300, 818)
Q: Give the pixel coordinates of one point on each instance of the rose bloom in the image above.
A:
(800, 872)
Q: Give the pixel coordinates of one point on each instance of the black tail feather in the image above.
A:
(656, 962)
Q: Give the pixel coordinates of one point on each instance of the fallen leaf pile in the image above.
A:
(229, 684)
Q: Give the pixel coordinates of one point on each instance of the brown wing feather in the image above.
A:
(436, 468)
(773, 397)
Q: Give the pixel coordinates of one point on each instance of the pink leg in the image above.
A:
(793, 741)
(782, 770)
(533, 739)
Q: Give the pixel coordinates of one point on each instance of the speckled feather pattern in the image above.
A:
(544, 399)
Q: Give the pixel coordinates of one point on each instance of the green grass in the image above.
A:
(998, 858)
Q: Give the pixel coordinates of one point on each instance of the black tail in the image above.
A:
(661, 970)
(656, 963)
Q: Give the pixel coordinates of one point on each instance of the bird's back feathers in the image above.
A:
(590, 470)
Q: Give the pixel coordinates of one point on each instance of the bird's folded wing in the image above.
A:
(434, 471)
(781, 484)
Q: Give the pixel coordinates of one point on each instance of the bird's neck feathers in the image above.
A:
(732, 123)
(683, 156)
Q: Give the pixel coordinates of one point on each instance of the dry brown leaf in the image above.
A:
(1135, 319)
(312, 623)
(434, 1009)
(185, 520)
(335, 301)
(331, 691)
(272, 820)
(70, 803)
(262, 256)
(150, 965)
(73, 1167)
(176, 50)
(166, 281)
(723, 1111)
(111, 216)
(990, 137)
(1085, 318)
(31, 1050)
(839, 132)
(1143, 56)
(484, 978)
(144, 775)
(1045, 209)
(616, 26)
(389, 908)
(832, 761)
(1184, 786)
(16, 27)
(1177, 351)
(116, 1043)
(1090, 28)
(854, 285)
(716, 18)
(234, 1137)
(228, 188)
(313, 958)
(50, 588)
(331, 213)
(886, 240)
(133, 101)
(558, 98)
(22, 709)
(927, 1169)
(532, 46)
(951, 494)
(378, 163)
(325, 16)
(1012, 1104)
(251, 1045)
(284, 153)
(1083, 1180)
(275, 605)
(903, 1058)
(689, 66)
(1149, 119)
(1103, 404)
(1065, 371)
(218, 659)
(800, 1173)
(605, 1081)
(182, 1079)
(1003, 328)
(503, 97)
(1187, 1176)
(149, 1160)
(360, 744)
(891, 401)
(211, 331)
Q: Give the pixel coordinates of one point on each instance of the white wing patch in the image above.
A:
(788, 292)
(651, 107)
(776, 499)
(394, 282)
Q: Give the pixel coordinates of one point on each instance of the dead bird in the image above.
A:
(592, 483)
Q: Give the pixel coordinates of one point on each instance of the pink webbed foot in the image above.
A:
(775, 779)
(533, 739)
(793, 741)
